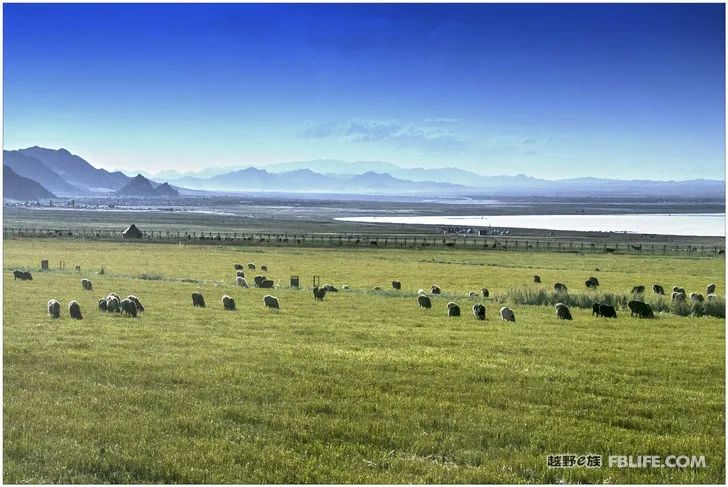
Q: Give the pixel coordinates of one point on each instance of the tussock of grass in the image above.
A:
(545, 297)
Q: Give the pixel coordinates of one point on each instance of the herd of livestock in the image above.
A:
(131, 305)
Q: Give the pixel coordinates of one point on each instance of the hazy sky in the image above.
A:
(553, 91)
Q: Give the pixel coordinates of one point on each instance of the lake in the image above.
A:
(695, 224)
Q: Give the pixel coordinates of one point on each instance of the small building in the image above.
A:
(132, 232)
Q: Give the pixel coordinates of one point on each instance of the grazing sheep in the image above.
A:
(677, 289)
(319, 293)
(536, 278)
(271, 301)
(128, 308)
(136, 301)
(507, 314)
(642, 310)
(560, 288)
(596, 310)
(345, 288)
(74, 310)
(54, 309)
(424, 301)
(607, 311)
(710, 289)
(479, 312)
(77, 267)
(562, 312)
(264, 268)
(241, 282)
(638, 289)
(453, 309)
(486, 293)
(594, 280)
(396, 285)
(239, 274)
(421, 291)
(198, 300)
(377, 288)
(228, 303)
(114, 295)
(258, 279)
(590, 284)
(678, 297)
(657, 289)
(27, 276)
(18, 275)
(473, 295)
(696, 298)
(266, 284)
(113, 304)
(239, 267)
(711, 297)
(330, 288)
(102, 305)
(86, 284)
(251, 266)
(435, 289)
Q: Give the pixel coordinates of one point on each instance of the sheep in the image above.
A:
(594, 280)
(396, 285)
(640, 289)
(271, 301)
(677, 297)
(241, 282)
(711, 297)
(435, 289)
(677, 289)
(424, 301)
(239, 274)
(54, 308)
(102, 305)
(453, 309)
(536, 278)
(377, 288)
(473, 295)
(27, 276)
(113, 304)
(560, 288)
(114, 295)
(657, 289)
(319, 293)
(642, 310)
(345, 288)
(228, 303)
(696, 298)
(239, 267)
(330, 288)
(198, 300)
(77, 268)
(128, 308)
(264, 268)
(74, 310)
(562, 312)
(596, 310)
(479, 312)
(507, 314)
(604, 310)
(258, 279)
(421, 292)
(18, 275)
(710, 289)
(251, 266)
(590, 284)
(86, 284)
(266, 284)
(486, 293)
(136, 301)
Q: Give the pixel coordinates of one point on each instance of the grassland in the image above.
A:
(363, 387)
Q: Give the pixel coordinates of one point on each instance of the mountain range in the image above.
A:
(67, 175)
(17, 187)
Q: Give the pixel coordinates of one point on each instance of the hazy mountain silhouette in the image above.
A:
(32, 168)
(139, 186)
(16, 187)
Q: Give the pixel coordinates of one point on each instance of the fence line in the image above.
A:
(474, 242)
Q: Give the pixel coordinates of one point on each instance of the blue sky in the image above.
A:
(554, 91)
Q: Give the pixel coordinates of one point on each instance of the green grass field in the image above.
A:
(362, 387)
